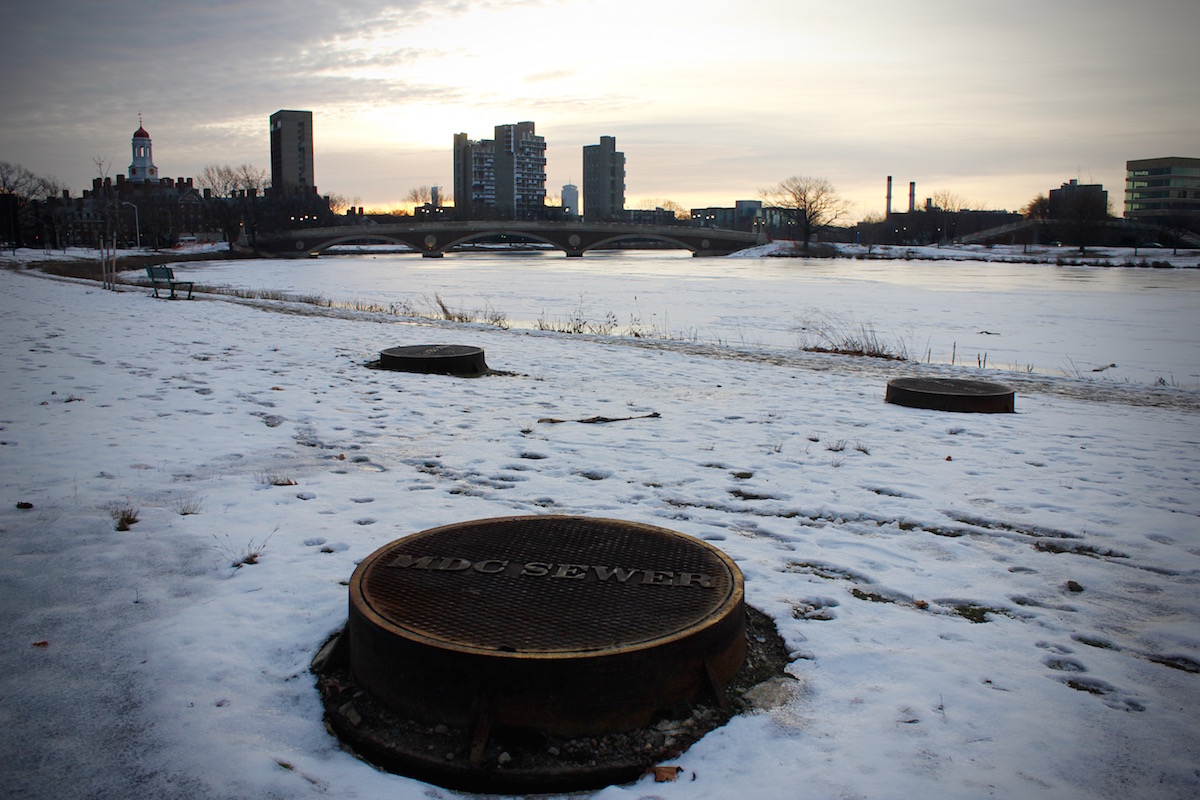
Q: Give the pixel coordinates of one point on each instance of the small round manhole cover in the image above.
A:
(569, 625)
(951, 394)
(439, 359)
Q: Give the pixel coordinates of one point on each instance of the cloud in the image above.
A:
(550, 75)
(704, 95)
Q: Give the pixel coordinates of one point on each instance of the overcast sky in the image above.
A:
(710, 100)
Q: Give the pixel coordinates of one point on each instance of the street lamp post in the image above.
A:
(137, 225)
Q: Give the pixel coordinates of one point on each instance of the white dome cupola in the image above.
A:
(142, 168)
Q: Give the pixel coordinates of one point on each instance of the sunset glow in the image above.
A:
(710, 101)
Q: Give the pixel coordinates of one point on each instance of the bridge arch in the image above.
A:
(432, 239)
(476, 236)
(653, 237)
(357, 237)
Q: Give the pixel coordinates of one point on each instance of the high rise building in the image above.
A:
(503, 177)
(603, 181)
(474, 177)
(292, 153)
(1163, 191)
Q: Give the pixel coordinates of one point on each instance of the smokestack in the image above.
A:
(912, 196)
(889, 197)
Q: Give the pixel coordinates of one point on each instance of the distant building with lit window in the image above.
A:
(1163, 191)
(292, 153)
(503, 177)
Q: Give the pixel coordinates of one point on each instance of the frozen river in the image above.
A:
(1116, 324)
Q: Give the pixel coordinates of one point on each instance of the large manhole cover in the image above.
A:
(439, 359)
(951, 394)
(537, 629)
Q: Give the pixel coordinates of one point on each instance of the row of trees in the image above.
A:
(238, 201)
(18, 188)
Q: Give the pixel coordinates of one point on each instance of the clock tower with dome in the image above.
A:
(142, 169)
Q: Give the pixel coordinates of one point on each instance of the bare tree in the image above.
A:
(253, 179)
(252, 185)
(339, 203)
(109, 212)
(1178, 224)
(234, 195)
(219, 179)
(418, 196)
(1086, 214)
(810, 203)
(949, 201)
(219, 182)
(19, 187)
(17, 181)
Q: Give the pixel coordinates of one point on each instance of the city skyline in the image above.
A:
(710, 101)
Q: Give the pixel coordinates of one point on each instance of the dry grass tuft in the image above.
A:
(124, 515)
(186, 506)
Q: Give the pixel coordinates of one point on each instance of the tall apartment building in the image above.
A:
(520, 172)
(1163, 191)
(292, 153)
(474, 177)
(503, 177)
(603, 181)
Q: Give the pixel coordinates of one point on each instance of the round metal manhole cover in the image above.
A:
(569, 625)
(439, 359)
(951, 394)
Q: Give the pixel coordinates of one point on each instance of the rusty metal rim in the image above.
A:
(713, 618)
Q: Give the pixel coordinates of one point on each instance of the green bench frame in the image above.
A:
(165, 277)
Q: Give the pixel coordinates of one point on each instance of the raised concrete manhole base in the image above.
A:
(542, 653)
(435, 359)
(515, 761)
(951, 394)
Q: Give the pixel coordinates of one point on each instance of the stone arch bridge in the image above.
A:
(432, 239)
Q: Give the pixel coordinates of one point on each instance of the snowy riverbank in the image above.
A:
(977, 606)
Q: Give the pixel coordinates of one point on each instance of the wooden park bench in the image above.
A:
(165, 277)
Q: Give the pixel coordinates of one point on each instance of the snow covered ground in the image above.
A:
(978, 605)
